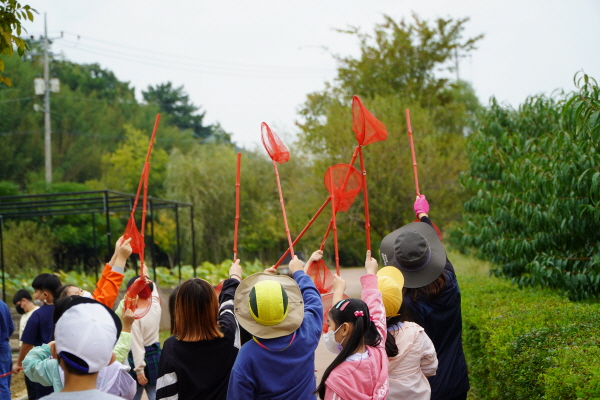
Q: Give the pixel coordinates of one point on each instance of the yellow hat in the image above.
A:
(268, 303)
(390, 282)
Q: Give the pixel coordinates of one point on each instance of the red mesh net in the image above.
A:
(138, 297)
(343, 174)
(137, 241)
(367, 128)
(327, 300)
(274, 146)
(321, 276)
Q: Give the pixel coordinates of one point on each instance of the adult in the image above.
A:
(25, 307)
(6, 330)
(196, 361)
(432, 296)
(40, 326)
(285, 318)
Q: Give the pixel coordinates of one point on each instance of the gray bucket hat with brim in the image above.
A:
(416, 250)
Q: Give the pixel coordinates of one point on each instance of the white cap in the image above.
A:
(86, 331)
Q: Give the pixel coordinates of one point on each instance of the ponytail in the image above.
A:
(391, 348)
(364, 332)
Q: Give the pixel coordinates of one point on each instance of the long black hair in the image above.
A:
(364, 332)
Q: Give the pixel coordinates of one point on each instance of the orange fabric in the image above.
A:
(107, 288)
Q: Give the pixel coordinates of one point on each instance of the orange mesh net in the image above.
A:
(347, 183)
(327, 300)
(274, 146)
(219, 287)
(137, 241)
(138, 297)
(367, 128)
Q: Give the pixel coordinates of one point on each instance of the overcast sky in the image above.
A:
(246, 61)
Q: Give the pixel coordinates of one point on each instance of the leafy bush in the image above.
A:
(536, 178)
(528, 343)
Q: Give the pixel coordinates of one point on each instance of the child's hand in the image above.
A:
(128, 318)
(295, 265)
(271, 271)
(316, 256)
(123, 250)
(235, 271)
(141, 378)
(421, 206)
(370, 264)
(339, 285)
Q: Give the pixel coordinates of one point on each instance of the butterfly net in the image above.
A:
(138, 297)
(321, 276)
(367, 128)
(347, 183)
(131, 231)
(274, 146)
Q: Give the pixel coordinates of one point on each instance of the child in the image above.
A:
(107, 287)
(285, 317)
(85, 336)
(6, 330)
(411, 353)
(113, 379)
(197, 360)
(25, 307)
(356, 332)
(40, 326)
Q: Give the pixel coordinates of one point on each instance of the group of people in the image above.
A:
(257, 338)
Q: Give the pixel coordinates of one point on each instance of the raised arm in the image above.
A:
(372, 296)
(107, 288)
(316, 256)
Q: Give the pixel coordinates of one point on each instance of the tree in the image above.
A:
(536, 183)
(176, 103)
(395, 70)
(11, 15)
(28, 247)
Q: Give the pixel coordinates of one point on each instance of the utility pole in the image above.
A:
(47, 128)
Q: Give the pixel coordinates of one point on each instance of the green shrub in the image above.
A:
(528, 343)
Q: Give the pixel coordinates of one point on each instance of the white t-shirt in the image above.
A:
(84, 394)
(23, 322)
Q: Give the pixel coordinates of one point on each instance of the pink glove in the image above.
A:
(421, 205)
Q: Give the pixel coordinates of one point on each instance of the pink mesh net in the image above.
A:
(367, 128)
(347, 183)
(274, 146)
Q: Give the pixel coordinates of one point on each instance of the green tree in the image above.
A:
(28, 247)
(175, 102)
(536, 183)
(11, 15)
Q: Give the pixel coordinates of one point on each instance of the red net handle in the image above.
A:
(412, 151)
(304, 231)
(335, 238)
(237, 204)
(150, 147)
(143, 269)
(287, 229)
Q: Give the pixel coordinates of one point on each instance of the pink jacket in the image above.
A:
(366, 379)
(416, 360)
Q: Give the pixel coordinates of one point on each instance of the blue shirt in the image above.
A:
(40, 326)
(289, 374)
(6, 326)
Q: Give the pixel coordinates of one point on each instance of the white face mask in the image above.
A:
(331, 344)
(87, 294)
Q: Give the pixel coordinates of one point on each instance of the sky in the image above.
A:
(245, 62)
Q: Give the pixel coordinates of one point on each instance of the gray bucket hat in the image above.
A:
(416, 250)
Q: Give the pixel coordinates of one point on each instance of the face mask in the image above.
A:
(87, 294)
(38, 303)
(20, 309)
(331, 344)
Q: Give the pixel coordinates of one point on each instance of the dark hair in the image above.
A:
(49, 282)
(428, 292)
(142, 295)
(74, 360)
(62, 291)
(196, 311)
(172, 298)
(391, 348)
(21, 294)
(364, 332)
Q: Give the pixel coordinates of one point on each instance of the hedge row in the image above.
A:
(528, 343)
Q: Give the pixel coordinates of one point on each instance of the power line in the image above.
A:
(153, 53)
